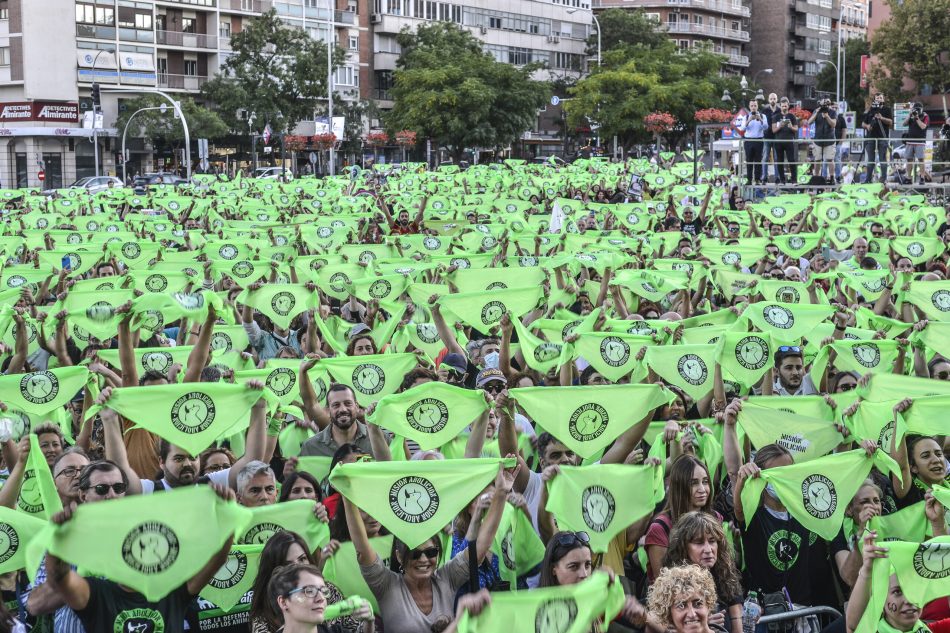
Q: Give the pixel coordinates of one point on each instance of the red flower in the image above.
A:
(406, 138)
(801, 113)
(713, 115)
(659, 122)
(377, 138)
(325, 140)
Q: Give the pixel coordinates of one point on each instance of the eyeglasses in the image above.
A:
(310, 592)
(103, 489)
(942, 375)
(70, 472)
(790, 348)
(429, 552)
(213, 468)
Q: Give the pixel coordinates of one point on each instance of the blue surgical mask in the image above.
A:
(491, 360)
(770, 491)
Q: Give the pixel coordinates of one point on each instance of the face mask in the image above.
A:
(770, 491)
(491, 360)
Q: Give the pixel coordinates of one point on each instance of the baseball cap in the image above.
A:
(358, 329)
(487, 375)
(456, 362)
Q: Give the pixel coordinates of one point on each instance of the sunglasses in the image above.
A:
(103, 489)
(847, 387)
(790, 348)
(568, 539)
(494, 387)
(429, 552)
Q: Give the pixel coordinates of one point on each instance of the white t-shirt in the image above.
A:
(218, 478)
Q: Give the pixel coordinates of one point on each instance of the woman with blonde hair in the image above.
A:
(681, 598)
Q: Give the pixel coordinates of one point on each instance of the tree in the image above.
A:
(854, 94)
(626, 27)
(635, 81)
(445, 87)
(277, 72)
(157, 126)
(913, 44)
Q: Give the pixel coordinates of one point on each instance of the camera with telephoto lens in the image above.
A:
(824, 105)
(917, 110)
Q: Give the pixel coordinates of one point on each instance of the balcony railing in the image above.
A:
(97, 32)
(250, 6)
(724, 6)
(739, 60)
(706, 29)
(181, 82)
(194, 3)
(186, 40)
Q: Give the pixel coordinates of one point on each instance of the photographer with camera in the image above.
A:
(877, 121)
(768, 148)
(785, 129)
(753, 130)
(915, 140)
(825, 118)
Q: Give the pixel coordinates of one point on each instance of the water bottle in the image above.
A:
(6, 429)
(750, 613)
(343, 608)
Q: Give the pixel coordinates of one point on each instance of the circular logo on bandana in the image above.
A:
(783, 548)
(461, 262)
(692, 369)
(431, 243)
(367, 257)
(429, 415)
(228, 251)
(752, 352)
(242, 269)
(941, 300)
(324, 232)
(648, 286)
(779, 212)
(507, 549)
(546, 352)
(796, 242)
(281, 381)
(915, 249)
(932, 560)
(731, 258)
(413, 499)
(568, 329)
(174, 206)
(557, 615)
(150, 547)
(874, 285)
(15, 281)
(833, 213)
(488, 242)
(866, 354)
(100, 311)
(9, 542)
(886, 436)
(283, 302)
(221, 341)
(158, 361)
(30, 500)
(588, 422)
(819, 496)
(614, 351)
(231, 572)
(339, 281)
(368, 378)
(597, 507)
(75, 261)
(427, 332)
(131, 250)
(787, 294)
(528, 261)
(492, 312)
(320, 386)
(139, 620)
(496, 285)
(380, 288)
(193, 412)
(778, 316)
(156, 283)
(261, 533)
(843, 234)
(151, 320)
(39, 387)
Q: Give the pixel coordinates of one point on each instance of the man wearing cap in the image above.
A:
(453, 369)
(492, 381)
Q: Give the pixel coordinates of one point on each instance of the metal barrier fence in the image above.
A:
(787, 621)
(891, 160)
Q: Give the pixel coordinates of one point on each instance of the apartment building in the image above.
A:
(854, 19)
(722, 23)
(793, 38)
(51, 55)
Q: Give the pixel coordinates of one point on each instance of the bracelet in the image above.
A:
(840, 328)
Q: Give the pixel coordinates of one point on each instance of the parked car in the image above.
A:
(94, 184)
(272, 173)
(141, 183)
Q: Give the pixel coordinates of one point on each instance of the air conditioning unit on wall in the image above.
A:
(376, 18)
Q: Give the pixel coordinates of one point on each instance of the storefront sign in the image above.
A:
(43, 111)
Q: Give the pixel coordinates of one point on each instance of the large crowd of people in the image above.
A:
(552, 398)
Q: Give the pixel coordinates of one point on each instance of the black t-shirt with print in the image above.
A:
(111, 608)
(776, 555)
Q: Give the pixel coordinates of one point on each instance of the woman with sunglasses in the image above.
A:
(418, 595)
(297, 593)
(567, 561)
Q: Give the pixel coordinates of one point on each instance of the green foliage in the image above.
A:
(626, 28)
(276, 71)
(636, 80)
(448, 89)
(914, 43)
(157, 126)
(854, 94)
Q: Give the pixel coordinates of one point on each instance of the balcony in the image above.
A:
(738, 60)
(181, 82)
(802, 6)
(186, 40)
(246, 6)
(95, 32)
(723, 6)
(707, 30)
(210, 4)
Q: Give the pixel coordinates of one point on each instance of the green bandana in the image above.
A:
(805, 438)
(414, 500)
(431, 414)
(38, 496)
(42, 391)
(858, 356)
(595, 499)
(613, 355)
(932, 297)
(17, 528)
(587, 420)
(786, 322)
(746, 356)
(154, 544)
(539, 355)
(689, 367)
(158, 359)
(517, 545)
(482, 310)
(292, 516)
(235, 578)
(343, 570)
(279, 302)
(370, 377)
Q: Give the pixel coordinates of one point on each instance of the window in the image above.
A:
(224, 29)
(346, 76)
(105, 15)
(352, 6)
(4, 12)
(161, 66)
(494, 22)
(191, 67)
(187, 25)
(653, 16)
(683, 44)
(811, 69)
(567, 61)
(5, 56)
(824, 46)
(89, 14)
(130, 18)
(519, 56)
(354, 42)
(247, 5)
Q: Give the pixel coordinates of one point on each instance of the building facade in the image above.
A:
(51, 57)
(792, 37)
(724, 24)
(854, 19)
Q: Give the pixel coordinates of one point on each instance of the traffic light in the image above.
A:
(96, 97)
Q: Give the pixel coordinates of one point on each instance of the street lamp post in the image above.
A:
(181, 115)
(163, 108)
(837, 77)
(95, 110)
(597, 24)
(330, 44)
